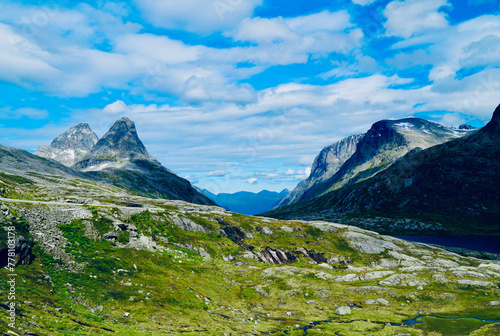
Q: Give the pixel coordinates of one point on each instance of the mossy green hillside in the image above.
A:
(128, 291)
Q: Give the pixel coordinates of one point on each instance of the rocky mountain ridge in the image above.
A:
(325, 165)
(118, 147)
(93, 258)
(120, 158)
(451, 188)
(365, 155)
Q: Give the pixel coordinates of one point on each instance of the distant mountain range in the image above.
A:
(247, 203)
(453, 186)
(118, 158)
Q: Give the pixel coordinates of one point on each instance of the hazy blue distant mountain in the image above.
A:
(246, 202)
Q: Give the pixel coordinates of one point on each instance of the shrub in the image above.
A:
(123, 237)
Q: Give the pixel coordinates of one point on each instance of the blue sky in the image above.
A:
(242, 94)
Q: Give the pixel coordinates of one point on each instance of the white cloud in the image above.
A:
(208, 88)
(363, 2)
(453, 119)
(199, 16)
(290, 172)
(323, 21)
(118, 107)
(263, 30)
(286, 41)
(156, 47)
(302, 174)
(33, 113)
(216, 173)
(46, 48)
(407, 18)
(252, 180)
(473, 43)
(60, 58)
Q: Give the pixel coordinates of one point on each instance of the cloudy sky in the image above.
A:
(242, 94)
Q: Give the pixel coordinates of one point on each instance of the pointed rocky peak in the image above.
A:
(71, 146)
(466, 127)
(122, 141)
(118, 148)
(79, 136)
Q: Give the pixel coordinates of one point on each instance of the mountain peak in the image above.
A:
(122, 140)
(79, 136)
(71, 146)
(127, 121)
(119, 145)
(466, 127)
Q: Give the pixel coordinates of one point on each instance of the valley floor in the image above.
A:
(168, 267)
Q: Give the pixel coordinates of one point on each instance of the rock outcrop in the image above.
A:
(384, 143)
(326, 164)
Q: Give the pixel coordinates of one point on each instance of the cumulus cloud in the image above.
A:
(216, 15)
(302, 174)
(406, 18)
(216, 173)
(33, 113)
(292, 40)
(363, 2)
(61, 59)
(470, 44)
(156, 47)
(453, 119)
(118, 107)
(252, 180)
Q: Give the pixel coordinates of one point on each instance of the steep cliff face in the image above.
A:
(384, 143)
(325, 165)
(455, 184)
(71, 146)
